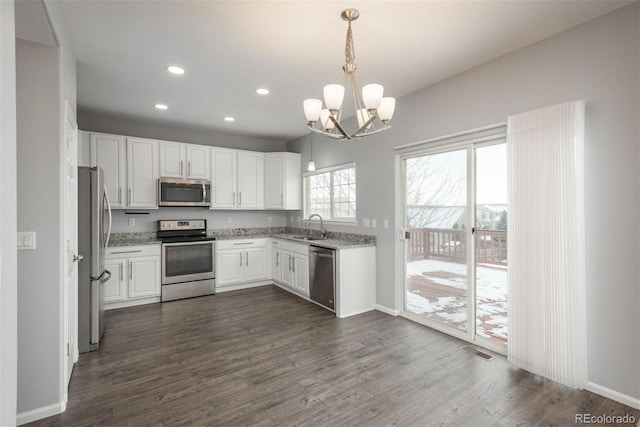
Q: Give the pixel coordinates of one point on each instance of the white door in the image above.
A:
(144, 280)
(109, 152)
(274, 174)
(70, 231)
(301, 273)
(142, 173)
(256, 264)
(229, 267)
(250, 180)
(198, 162)
(171, 160)
(223, 178)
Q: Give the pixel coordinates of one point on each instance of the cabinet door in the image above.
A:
(301, 274)
(256, 264)
(274, 181)
(223, 178)
(288, 277)
(229, 267)
(172, 160)
(144, 277)
(250, 180)
(109, 152)
(198, 162)
(114, 288)
(276, 265)
(142, 173)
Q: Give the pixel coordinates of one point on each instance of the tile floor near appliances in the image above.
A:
(263, 356)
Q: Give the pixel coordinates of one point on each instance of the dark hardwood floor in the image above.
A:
(264, 357)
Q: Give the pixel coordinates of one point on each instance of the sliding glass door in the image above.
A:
(455, 213)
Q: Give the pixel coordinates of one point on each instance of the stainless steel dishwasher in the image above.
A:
(322, 276)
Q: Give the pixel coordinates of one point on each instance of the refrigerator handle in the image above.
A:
(106, 199)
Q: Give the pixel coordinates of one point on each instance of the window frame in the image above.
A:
(329, 169)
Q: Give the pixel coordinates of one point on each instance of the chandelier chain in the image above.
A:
(349, 49)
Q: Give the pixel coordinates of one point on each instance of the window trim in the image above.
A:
(337, 221)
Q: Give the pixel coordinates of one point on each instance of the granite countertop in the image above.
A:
(332, 241)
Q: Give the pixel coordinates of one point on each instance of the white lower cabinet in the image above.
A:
(242, 261)
(135, 275)
(291, 265)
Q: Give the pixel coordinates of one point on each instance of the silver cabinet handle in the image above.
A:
(290, 259)
(120, 195)
(294, 264)
(234, 198)
(240, 253)
(126, 252)
(189, 168)
(246, 257)
(130, 270)
(181, 164)
(121, 273)
(277, 259)
(129, 195)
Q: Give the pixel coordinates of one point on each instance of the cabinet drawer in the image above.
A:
(240, 244)
(132, 251)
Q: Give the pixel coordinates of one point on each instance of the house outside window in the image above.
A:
(331, 193)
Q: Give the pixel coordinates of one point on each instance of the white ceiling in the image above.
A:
(294, 48)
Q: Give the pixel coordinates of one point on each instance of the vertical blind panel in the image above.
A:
(546, 238)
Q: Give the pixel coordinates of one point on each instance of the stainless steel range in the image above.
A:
(188, 259)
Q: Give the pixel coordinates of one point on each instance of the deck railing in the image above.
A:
(445, 243)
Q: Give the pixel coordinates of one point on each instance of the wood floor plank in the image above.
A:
(263, 357)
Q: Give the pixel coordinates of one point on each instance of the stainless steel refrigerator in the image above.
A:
(94, 230)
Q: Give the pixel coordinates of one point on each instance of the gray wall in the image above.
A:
(215, 219)
(38, 180)
(8, 227)
(596, 61)
(121, 125)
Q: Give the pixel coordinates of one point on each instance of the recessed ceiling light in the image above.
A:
(161, 106)
(262, 91)
(174, 69)
(229, 119)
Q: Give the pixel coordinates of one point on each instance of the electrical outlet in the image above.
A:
(229, 220)
(365, 222)
(385, 223)
(132, 222)
(374, 223)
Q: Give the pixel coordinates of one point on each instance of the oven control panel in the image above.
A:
(182, 224)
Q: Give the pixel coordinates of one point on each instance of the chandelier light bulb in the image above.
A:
(386, 108)
(312, 109)
(327, 123)
(372, 95)
(363, 116)
(311, 166)
(333, 96)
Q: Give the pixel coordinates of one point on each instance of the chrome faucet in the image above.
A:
(323, 231)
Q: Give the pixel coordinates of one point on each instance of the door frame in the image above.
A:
(474, 138)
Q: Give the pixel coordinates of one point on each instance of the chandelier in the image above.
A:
(370, 106)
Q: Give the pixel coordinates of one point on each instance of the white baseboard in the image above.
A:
(614, 395)
(243, 286)
(387, 310)
(40, 413)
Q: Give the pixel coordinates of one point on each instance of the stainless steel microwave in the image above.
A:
(184, 192)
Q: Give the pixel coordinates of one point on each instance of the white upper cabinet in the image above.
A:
(142, 173)
(188, 161)
(283, 181)
(237, 179)
(109, 152)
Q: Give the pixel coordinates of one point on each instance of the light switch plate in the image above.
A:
(374, 223)
(26, 240)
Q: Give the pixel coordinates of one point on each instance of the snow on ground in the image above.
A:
(491, 294)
